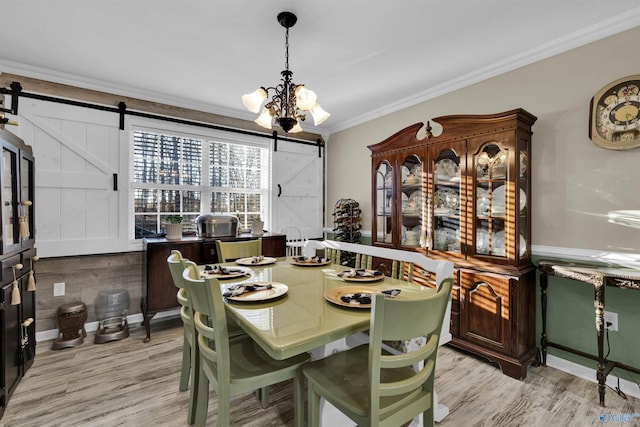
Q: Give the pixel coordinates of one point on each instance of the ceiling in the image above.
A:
(364, 58)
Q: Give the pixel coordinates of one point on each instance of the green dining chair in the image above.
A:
(231, 251)
(175, 266)
(233, 366)
(373, 387)
(189, 343)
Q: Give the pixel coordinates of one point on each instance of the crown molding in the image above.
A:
(601, 30)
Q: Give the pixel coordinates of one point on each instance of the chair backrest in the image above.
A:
(231, 251)
(295, 238)
(207, 305)
(396, 319)
(175, 266)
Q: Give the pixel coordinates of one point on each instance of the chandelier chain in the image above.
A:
(286, 49)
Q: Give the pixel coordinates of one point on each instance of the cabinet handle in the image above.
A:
(279, 190)
(462, 297)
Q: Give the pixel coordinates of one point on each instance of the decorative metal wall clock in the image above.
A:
(614, 117)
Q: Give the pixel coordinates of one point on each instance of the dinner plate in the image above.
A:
(447, 169)
(499, 199)
(277, 290)
(310, 263)
(249, 261)
(333, 295)
(361, 279)
(234, 273)
(482, 241)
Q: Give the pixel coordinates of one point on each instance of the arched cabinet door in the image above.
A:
(448, 200)
(413, 203)
(383, 204)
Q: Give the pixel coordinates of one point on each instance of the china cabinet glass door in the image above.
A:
(492, 196)
(10, 229)
(413, 207)
(447, 206)
(384, 203)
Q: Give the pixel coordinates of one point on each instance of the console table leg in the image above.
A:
(543, 304)
(146, 319)
(598, 304)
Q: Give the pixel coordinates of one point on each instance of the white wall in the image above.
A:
(574, 182)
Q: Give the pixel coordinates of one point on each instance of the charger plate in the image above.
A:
(309, 263)
(333, 295)
(248, 261)
(277, 290)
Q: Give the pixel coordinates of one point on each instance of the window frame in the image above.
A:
(208, 136)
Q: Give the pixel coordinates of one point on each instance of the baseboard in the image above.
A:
(628, 387)
(132, 319)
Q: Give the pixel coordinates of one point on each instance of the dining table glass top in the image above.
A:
(302, 319)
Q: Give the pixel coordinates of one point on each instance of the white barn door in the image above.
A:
(77, 152)
(297, 188)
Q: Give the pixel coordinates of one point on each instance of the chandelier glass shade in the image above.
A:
(288, 100)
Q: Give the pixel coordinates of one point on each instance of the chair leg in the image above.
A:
(224, 405)
(428, 418)
(186, 364)
(196, 374)
(263, 394)
(298, 398)
(313, 406)
(201, 398)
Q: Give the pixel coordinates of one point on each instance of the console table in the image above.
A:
(158, 290)
(599, 277)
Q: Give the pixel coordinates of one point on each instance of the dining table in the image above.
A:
(302, 312)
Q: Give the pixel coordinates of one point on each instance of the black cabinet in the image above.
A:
(17, 256)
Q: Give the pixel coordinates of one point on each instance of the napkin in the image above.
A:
(359, 272)
(257, 259)
(365, 297)
(237, 290)
(314, 259)
(218, 269)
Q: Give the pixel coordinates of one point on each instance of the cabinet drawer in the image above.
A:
(7, 268)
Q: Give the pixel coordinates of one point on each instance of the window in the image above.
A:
(178, 174)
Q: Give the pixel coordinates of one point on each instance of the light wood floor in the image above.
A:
(129, 383)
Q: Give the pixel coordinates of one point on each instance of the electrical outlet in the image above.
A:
(611, 320)
(58, 289)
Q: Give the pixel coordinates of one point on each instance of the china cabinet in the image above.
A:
(17, 256)
(465, 195)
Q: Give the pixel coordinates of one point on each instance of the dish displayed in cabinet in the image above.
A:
(498, 247)
(411, 235)
(446, 201)
(482, 201)
(446, 239)
(447, 170)
(414, 204)
(499, 167)
(499, 199)
(482, 241)
(523, 163)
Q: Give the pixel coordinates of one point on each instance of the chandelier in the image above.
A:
(289, 100)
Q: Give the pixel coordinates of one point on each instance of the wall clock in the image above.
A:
(614, 117)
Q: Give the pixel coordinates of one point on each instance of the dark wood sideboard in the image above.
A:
(158, 290)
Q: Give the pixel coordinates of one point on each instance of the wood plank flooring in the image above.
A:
(130, 383)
